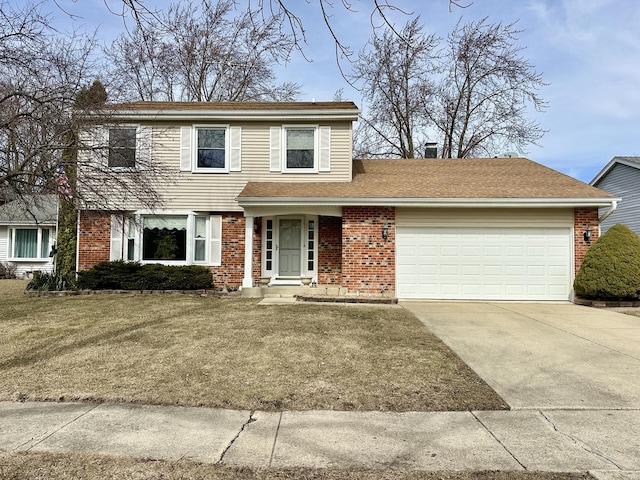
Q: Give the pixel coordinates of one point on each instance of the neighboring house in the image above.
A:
(28, 233)
(621, 178)
(270, 190)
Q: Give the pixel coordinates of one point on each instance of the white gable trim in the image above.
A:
(613, 162)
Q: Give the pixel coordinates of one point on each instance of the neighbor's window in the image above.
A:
(122, 147)
(211, 148)
(28, 243)
(164, 238)
(300, 148)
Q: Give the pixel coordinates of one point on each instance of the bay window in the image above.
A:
(170, 238)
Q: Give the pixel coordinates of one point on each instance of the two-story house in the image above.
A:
(270, 190)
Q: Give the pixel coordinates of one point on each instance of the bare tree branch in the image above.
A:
(471, 97)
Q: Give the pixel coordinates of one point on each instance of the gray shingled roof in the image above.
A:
(30, 210)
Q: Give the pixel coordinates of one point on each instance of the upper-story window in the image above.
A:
(300, 149)
(122, 147)
(210, 148)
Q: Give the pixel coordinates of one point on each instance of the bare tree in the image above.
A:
(201, 51)
(41, 116)
(395, 71)
(40, 73)
(471, 97)
(482, 102)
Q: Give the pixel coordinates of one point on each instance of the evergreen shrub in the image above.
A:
(611, 267)
(120, 275)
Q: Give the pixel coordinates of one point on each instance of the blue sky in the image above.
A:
(588, 51)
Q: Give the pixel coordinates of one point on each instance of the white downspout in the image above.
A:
(614, 205)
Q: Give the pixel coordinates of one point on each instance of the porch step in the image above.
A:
(277, 300)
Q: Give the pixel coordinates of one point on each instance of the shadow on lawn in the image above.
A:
(38, 354)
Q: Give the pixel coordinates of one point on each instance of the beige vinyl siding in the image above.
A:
(484, 217)
(217, 191)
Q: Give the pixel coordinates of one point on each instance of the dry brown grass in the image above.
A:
(229, 353)
(35, 466)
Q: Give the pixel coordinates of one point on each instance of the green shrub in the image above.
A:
(611, 267)
(120, 275)
(109, 275)
(51, 282)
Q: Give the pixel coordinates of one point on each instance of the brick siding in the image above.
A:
(94, 239)
(582, 219)
(368, 261)
(95, 243)
(329, 250)
(231, 272)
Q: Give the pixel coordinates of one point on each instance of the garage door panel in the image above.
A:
(497, 264)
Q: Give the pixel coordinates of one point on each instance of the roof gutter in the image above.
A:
(612, 209)
(239, 115)
(430, 202)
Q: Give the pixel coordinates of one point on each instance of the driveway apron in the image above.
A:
(544, 355)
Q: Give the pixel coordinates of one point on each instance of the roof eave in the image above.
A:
(238, 115)
(430, 202)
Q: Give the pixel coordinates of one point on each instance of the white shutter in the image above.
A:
(101, 145)
(215, 240)
(116, 238)
(325, 149)
(144, 145)
(235, 153)
(276, 146)
(185, 149)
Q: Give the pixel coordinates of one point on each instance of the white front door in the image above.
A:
(290, 247)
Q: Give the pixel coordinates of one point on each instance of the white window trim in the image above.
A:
(119, 237)
(194, 149)
(316, 148)
(11, 236)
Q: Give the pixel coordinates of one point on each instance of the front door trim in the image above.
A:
(271, 244)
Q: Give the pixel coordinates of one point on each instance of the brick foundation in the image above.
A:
(368, 261)
(329, 250)
(582, 219)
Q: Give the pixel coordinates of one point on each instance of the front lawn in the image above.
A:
(229, 353)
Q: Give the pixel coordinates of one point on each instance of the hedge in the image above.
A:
(120, 275)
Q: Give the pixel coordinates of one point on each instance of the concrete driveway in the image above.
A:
(543, 355)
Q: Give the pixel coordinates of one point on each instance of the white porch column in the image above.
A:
(247, 281)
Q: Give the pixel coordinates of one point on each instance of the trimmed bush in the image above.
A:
(120, 275)
(611, 267)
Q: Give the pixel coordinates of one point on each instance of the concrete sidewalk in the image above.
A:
(604, 442)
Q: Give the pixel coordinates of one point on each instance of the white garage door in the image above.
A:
(483, 263)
